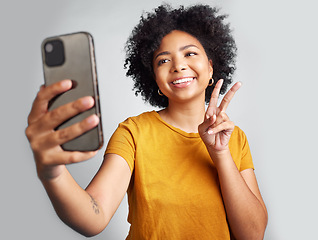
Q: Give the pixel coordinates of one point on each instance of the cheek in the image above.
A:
(160, 75)
(158, 78)
(204, 69)
(208, 69)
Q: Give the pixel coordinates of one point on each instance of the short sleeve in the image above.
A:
(123, 142)
(246, 157)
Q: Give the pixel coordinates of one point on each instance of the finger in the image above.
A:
(56, 138)
(220, 118)
(57, 116)
(66, 134)
(215, 93)
(75, 157)
(68, 157)
(61, 114)
(40, 104)
(203, 128)
(227, 126)
(214, 99)
(228, 96)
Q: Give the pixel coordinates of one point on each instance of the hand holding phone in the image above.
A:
(46, 143)
(71, 56)
(64, 124)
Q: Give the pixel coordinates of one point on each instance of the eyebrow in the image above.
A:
(180, 49)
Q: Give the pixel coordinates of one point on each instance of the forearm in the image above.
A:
(74, 205)
(246, 215)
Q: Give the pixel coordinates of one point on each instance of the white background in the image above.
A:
(276, 106)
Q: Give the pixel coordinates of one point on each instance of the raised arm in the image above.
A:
(245, 208)
(87, 212)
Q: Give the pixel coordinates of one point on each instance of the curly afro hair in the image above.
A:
(202, 22)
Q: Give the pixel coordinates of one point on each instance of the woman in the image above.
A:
(187, 170)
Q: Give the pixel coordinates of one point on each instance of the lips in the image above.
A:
(183, 80)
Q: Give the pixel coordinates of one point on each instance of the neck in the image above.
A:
(186, 117)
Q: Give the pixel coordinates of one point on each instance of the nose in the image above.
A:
(178, 65)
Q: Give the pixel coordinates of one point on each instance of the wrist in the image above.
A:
(220, 156)
(50, 174)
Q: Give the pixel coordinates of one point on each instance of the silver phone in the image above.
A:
(71, 56)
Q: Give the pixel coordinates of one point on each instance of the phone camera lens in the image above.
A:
(49, 47)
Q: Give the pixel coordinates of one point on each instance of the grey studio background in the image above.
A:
(277, 63)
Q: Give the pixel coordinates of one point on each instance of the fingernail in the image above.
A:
(92, 119)
(66, 83)
(210, 132)
(87, 101)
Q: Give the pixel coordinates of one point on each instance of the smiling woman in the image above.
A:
(178, 51)
(187, 170)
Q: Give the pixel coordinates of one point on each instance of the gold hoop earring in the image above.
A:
(211, 82)
(159, 92)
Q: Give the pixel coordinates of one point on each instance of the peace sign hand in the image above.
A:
(217, 128)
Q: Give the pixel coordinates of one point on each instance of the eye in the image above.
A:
(189, 54)
(162, 61)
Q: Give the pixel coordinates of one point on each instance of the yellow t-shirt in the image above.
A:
(174, 191)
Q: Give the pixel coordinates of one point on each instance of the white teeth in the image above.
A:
(183, 80)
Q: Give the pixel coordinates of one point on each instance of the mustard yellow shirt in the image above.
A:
(174, 191)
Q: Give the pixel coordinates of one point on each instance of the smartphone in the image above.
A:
(71, 56)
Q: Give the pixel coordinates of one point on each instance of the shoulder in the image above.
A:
(238, 137)
(145, 116)
(141, 119)
(238, 131)
(131, 130)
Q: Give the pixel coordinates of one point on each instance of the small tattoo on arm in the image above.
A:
(95, 205)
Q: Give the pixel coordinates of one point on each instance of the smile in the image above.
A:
(183, 80)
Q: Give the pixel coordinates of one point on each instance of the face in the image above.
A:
(181, 67)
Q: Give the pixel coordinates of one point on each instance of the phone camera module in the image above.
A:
(54, 53)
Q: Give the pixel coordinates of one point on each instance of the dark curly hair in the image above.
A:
(202, 22)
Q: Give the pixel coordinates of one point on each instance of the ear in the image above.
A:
(210, 68)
